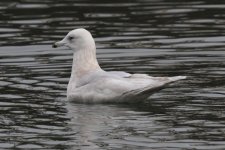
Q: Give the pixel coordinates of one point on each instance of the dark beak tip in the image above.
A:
(54, 45)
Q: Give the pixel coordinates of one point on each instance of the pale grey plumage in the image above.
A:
(90, 84)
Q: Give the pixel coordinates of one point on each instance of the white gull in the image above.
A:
(91, 84)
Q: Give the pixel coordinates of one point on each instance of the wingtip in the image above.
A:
(182, 77)
(176, 78)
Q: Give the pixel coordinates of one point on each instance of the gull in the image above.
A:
(89, 83)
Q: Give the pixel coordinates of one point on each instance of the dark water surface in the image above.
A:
(157, 37)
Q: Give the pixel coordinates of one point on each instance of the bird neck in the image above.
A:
(84, 62)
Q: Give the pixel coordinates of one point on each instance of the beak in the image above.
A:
(58, 44)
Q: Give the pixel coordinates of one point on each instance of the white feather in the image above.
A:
(90, 84)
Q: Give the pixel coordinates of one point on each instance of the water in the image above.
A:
(157, 37)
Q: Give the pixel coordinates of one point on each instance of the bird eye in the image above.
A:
(70, 38)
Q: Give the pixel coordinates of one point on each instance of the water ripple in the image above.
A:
(157, 37)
